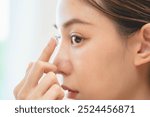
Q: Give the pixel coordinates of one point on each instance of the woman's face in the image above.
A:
(93, 57)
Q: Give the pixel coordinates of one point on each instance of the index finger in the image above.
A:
(48, 50)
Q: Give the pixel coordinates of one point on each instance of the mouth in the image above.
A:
(72, 94)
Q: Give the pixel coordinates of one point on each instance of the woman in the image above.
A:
(104, 53)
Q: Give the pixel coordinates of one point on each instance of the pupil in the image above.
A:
(77, 39)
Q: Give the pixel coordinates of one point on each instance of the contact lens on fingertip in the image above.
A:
(57, 38)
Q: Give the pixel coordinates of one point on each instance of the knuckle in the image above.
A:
(56, 87)
(38, 64)
(53, 79)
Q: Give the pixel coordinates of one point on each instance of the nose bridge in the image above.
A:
(62, 50)
(62, 53)
(62, 59)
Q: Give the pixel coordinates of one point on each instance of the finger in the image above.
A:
(48, 50)
(18, 87)
(46, 83)
(42, 87)
(37, 71)
(33, 77)
(29, 67)
(54, 93)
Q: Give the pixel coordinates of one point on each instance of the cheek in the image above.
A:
(99, 58)
(99, 67)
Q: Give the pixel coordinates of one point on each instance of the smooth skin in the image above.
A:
(95, 59)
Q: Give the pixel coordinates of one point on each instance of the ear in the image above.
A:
(143, 51)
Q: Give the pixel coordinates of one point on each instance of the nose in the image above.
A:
(62, 59)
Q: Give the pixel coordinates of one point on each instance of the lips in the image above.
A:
(72, 94)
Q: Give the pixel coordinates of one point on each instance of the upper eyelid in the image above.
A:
(81, 37)
(58, 36)
(76, 33)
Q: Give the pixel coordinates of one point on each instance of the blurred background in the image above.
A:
(25, 28)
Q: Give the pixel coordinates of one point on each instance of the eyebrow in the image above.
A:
(73, 21)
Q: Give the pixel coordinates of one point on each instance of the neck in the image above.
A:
(142, 90)
(142, 93)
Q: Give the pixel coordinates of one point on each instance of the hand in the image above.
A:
(40, 81)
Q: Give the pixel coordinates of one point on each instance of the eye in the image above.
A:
(76, 40)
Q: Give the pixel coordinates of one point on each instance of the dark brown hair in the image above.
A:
(129, 15)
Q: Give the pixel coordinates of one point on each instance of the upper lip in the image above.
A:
(69, 89)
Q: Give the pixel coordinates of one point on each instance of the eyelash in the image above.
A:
(73, 38)
(76, 40)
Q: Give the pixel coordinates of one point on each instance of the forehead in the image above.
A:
(76, 9)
